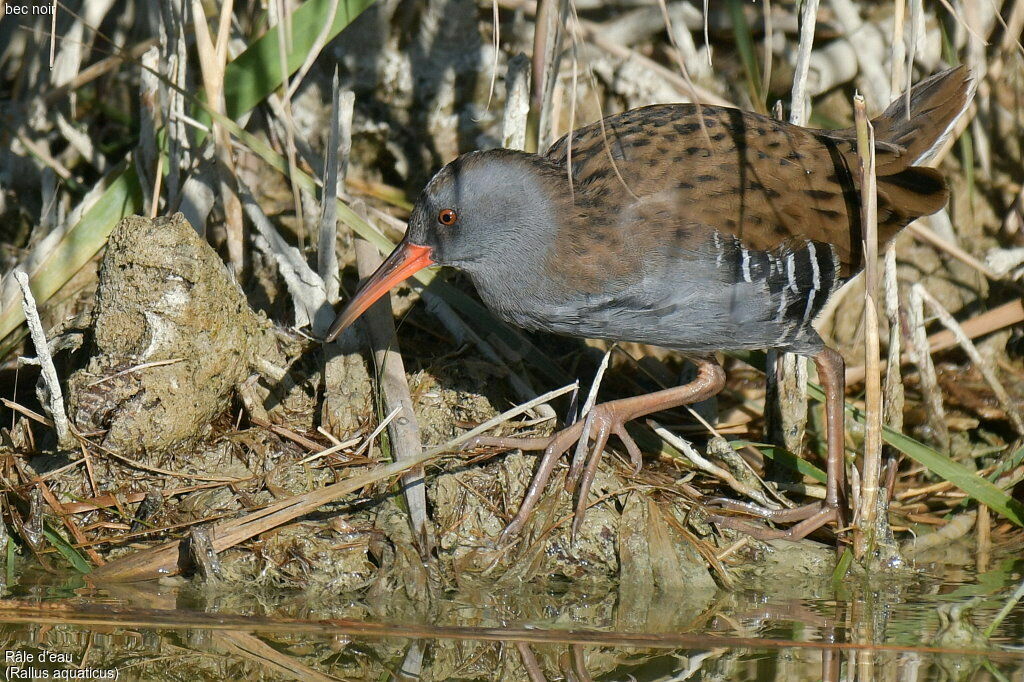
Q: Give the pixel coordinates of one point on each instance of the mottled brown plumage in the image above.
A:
(691, 227)
(762, 180)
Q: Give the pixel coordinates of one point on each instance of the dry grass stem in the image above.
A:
(55, 396)
(212, 60)
(163, 559)
(547, 55)
(927, 235)
(799, 99)
(710, 468)
(593, 34)
(147, 156)
(988, 322)
(917, 347)
(304, 285)
(984, 543)
(404, 431)
(959, 526)
(463, 333)
(983, 365)
(787, 416)
(517, 103)
(892, 389)
(866, 513)
(339, 144)
(897, 57)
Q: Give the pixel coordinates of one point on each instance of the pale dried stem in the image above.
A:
(791, 375)
(587, 413)
(959, 526)
(212, 60)
(55, 399)
(799, 100)
(304, 285)
(678, 53)
(146, 153)
(707, 466)
(993, 320)
(547, 52)
(1014, 28)
(866, 513)
(917, 348)
(898, 46)
(927, 235)
(983, 365)
(984, 538)
(339, 144)
(977, 62)
(893, 387)
(82, 143)
(791, 391)
(592, 33)
(517, 103)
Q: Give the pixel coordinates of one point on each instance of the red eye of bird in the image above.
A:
(447, 216)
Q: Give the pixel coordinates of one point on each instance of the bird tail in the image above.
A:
(919, 121)
(907, 136)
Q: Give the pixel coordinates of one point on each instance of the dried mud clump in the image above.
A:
(172, 335)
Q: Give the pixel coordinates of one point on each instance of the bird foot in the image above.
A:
(599, 425)
(810, 517)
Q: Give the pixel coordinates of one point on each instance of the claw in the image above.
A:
(609, 418)
(814, 517)
(635, 458)
(580, 455)
(587, 480)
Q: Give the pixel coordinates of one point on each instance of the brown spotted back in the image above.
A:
(764, 181)
(688, 170)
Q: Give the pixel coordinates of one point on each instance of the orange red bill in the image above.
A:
(406, 260)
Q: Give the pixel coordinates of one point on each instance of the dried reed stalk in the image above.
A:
(865, 516)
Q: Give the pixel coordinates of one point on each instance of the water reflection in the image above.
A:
(918, 629)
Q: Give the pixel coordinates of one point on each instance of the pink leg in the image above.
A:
(831, 371)
(607, 418)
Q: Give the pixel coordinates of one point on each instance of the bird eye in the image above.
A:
(447, 216)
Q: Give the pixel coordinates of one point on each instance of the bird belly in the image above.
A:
(712, 317)
(731, 298)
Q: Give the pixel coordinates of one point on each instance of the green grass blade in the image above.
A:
(256, 73)
(72, 555)
(842, 568)
(978, 488)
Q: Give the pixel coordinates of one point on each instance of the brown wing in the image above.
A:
(764, 181)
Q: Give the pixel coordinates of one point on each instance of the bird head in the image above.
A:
(471, 214)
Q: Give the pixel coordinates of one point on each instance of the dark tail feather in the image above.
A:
(935, 105)
(907, 191)
(905, 196)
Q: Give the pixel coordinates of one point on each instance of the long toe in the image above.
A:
(810, 518)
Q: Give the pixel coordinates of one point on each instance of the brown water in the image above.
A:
(857, 630)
